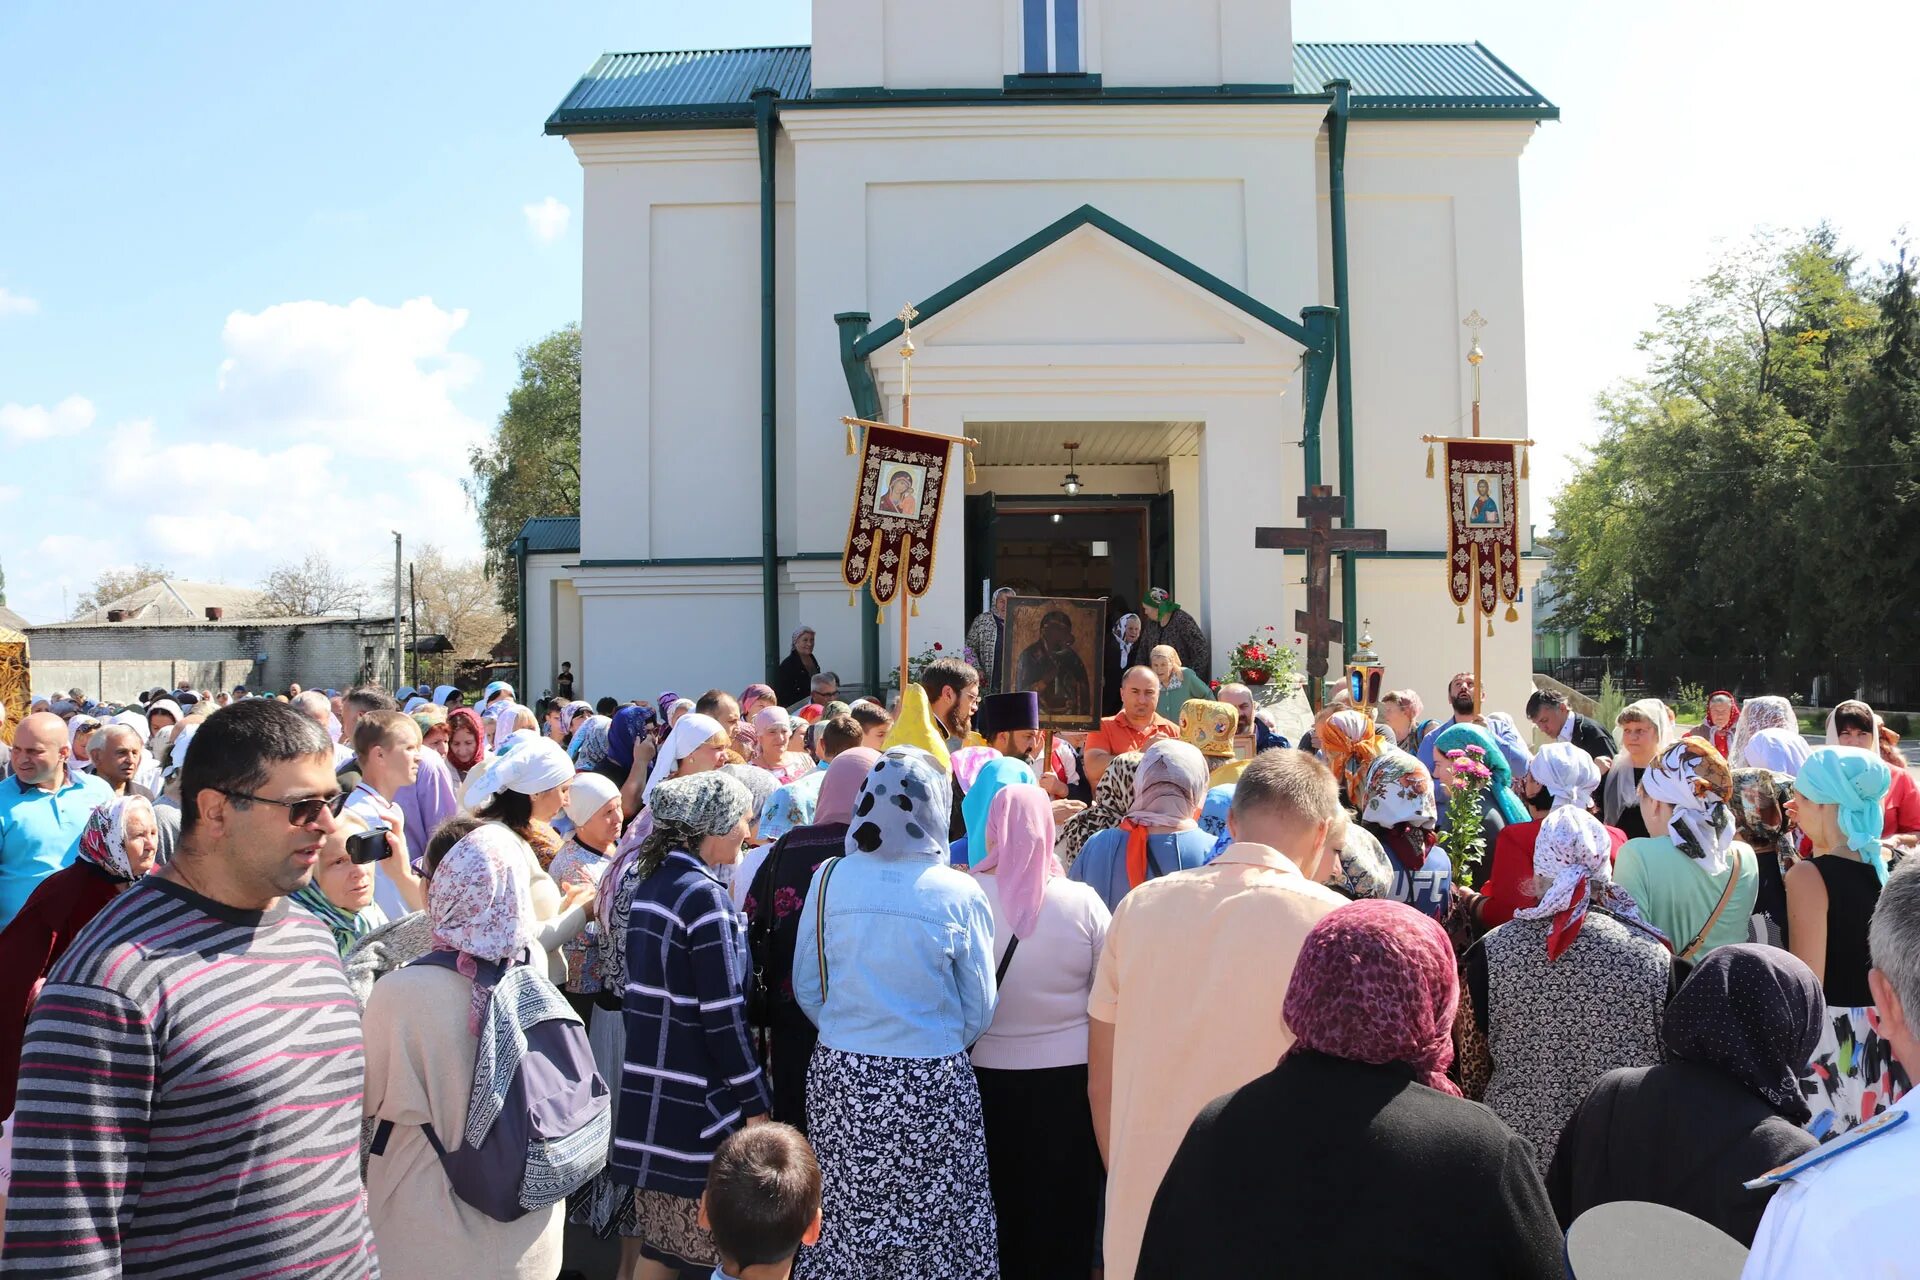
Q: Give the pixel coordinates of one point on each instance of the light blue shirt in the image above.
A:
(1103, 860)
(909, 958)
(40, 833)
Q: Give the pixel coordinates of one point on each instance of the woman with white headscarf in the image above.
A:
(1160, 833)
(1563, 993)
(425, 1024)
(1694, 879)
(1643, 729)
(1838, 803)
(895, 965)
(521, 791)
(1757, 715)
(1121, 651)
(1561, 776)
(117, 847)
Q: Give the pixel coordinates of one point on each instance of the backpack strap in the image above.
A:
(1006, 958)
(820, 924)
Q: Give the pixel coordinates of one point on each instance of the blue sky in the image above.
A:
(263, 268)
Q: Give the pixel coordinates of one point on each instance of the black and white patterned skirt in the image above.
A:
(903, 1155)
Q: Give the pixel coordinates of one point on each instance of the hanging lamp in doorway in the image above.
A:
(1072, 482)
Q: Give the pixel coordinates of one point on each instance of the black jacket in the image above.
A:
(1591, 738)
(1679, 1134)
(1325, 1167)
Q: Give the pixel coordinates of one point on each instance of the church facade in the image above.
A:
(1136, 233)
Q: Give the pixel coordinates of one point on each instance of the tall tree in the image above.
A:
(531, 467)
(115, 584)
(310, 588)
(1867, 543)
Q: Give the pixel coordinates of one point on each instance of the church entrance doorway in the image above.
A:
(1107, 546)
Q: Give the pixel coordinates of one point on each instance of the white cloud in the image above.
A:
(16, 304)
(330, 427)
(26, 422)
(547, 220)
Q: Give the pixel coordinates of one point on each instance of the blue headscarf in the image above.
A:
(993, 776)
(1213, 815)
(1858, 782)
(627, 726)
(1457, 737)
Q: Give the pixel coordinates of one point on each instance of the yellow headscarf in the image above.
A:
(915, 728)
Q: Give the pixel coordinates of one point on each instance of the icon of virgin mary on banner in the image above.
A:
(896, 509)
(1483, 546)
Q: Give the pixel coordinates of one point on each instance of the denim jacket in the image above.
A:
(909, 958)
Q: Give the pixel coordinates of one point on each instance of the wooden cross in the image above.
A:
(1319, 540)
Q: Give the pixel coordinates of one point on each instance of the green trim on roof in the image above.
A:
(1088, 216)
(712, 88)
(547, 534)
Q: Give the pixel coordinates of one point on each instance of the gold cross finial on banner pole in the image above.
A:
(1476, 323)
(906, 317)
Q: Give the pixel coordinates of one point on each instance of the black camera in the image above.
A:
(369, 846)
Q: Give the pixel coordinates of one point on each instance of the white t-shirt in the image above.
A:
(1041, 1017)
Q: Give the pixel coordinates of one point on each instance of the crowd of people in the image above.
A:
(351, 983)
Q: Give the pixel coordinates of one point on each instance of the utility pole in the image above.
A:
(413, 621)
(397, 668)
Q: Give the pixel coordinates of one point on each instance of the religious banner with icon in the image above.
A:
(896, 509)
(1483, 547)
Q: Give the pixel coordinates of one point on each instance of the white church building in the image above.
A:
(1154, 230)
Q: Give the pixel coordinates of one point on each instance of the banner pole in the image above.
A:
(904, 603)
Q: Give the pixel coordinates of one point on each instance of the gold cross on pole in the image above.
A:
(906, 317)
(1475, 322)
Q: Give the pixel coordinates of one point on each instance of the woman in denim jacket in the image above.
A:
(905, 985)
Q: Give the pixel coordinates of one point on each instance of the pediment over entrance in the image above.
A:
(1088, 289)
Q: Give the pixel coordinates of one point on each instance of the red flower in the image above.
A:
(936, 646)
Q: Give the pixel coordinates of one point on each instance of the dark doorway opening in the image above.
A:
(1113, 546)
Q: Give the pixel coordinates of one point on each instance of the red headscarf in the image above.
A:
(471, 719)
(1376, 982)
(1722, 738)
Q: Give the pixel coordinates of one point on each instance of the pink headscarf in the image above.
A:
(1376, 982)
(841, 787)
(754, 697)
(1020, 853)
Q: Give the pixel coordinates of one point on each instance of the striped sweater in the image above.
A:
(189, 1100)
(690, 1077)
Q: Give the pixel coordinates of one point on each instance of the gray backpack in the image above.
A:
(539, 1119)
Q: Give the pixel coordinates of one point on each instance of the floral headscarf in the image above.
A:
(1694, 778)
(903, 809)
(1398, 803)
(1765, 712)
(754, 697)
(1755, 1013)
(1377, 982)
(1759, 805)
(1213, 815)
(479, 906)
(1362, 869)
(1209, 726)
(1722, 738)
(623, 730)
(1112, 797)
(1352, 742)
(590, 743)
(103, 841)
(1575, 854)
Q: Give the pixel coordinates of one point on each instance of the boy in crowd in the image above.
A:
(386, 748)
(762, 1202)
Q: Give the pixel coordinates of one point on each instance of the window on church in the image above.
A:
(1052, 29)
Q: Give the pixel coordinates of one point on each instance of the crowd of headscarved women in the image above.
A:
(880, 928)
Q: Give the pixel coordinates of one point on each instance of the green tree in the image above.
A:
(531, 467)
(115, 584)
(1867, 551)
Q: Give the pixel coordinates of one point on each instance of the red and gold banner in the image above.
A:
(896, 509)
(1483, 510)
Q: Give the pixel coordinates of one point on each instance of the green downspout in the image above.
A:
(520, 612)
(1343, 328)
(1320, 322)
(866, 404)
(763, 100)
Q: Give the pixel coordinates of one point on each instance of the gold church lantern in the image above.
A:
(1365, 671)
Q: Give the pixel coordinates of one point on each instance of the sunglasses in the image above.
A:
(300, 813)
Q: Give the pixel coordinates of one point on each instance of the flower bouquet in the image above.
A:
(1465, 839)
(918, 663)
(1262, 662)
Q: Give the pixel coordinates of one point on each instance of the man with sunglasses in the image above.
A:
(190, 1084)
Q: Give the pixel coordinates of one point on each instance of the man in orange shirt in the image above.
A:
(1137, 723)
(1161, 1045)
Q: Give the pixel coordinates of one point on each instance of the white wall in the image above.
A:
(973, 44)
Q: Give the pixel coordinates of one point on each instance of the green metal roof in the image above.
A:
(551, 533)
(1439, 78)
(712, 88)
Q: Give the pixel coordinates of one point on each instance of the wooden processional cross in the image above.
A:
(1319, 540)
